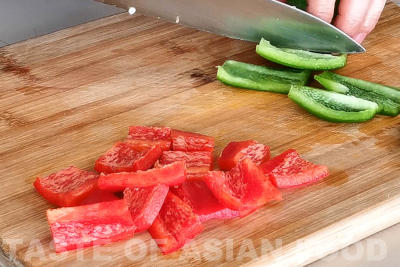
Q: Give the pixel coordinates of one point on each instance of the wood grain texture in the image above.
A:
(68, 96)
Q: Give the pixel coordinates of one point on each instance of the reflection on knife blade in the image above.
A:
(283, 25)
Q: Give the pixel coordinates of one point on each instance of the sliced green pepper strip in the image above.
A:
(387, 98)
(333, 106)
(262, 78)
(300, 59)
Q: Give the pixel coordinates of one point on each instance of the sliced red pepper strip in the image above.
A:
(98, 196)
(67, 187)
(143, 137)
(145, 204)
(243, 188)
(202, 200)
(175, 225)
(290, 170)
(196, 175)
(89, 225)
(187, 141)
(197, 162)
(236, 151)
(171, 174)
(164, 239)
(124, 157)
(149, 133)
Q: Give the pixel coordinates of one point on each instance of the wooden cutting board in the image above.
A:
(67, 97)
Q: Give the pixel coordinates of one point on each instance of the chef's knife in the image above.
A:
(250, 20)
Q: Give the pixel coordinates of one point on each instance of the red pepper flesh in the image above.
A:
(290, 170)
(145, 204)
(171, 174)
(236, 151)
(124, 157)
(175, 225)
(144, 137)
(98, 196)
(197, 162)
(90, 225)
(243, 188)
(202, 200)
(67, 187)
(187, 141)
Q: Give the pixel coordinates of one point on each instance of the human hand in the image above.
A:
(356, 18)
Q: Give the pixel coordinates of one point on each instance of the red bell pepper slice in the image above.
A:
(202, 200)
(171, 174)
(186, 141)
(145, 204)
(290, 170)
(66, 187)
(144, 137)
(236, 151)
(197, 162)
(98, 196)
(175, 225)
(89, 225)
(124, 157)
(243, 188)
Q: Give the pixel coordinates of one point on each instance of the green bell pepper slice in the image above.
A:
(387, 98)
(301, 4)
(262, 78)
(331, 106)
(300, 59)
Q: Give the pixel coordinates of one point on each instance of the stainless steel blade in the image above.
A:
(250, 20)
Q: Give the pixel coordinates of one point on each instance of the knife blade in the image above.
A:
(282, 25)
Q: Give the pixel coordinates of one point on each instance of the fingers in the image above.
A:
(351, 16)
(371, 19)
(322, 9)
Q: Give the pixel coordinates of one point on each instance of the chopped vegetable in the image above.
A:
(171, 174)
(161, 199)
(236, 151)
(187, 141)
(243, 188)
(203, 202)
(301, 4)
(290, 170)
(143, 137)
(67, 187)
(332, 106)
(144, 204)
(149, 133)
(300, 59)
(89, 225)
(124, 157)
(260, 78)
(197, 162)
(387, 98)
(98, 196)
(175, 225)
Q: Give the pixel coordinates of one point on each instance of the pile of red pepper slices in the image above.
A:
(168, 188)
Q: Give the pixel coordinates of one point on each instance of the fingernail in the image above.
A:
(360, 37)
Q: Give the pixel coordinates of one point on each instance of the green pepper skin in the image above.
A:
(387, 98)
(331, 106)
(300, 59)
(301, 4)
(261, 78)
